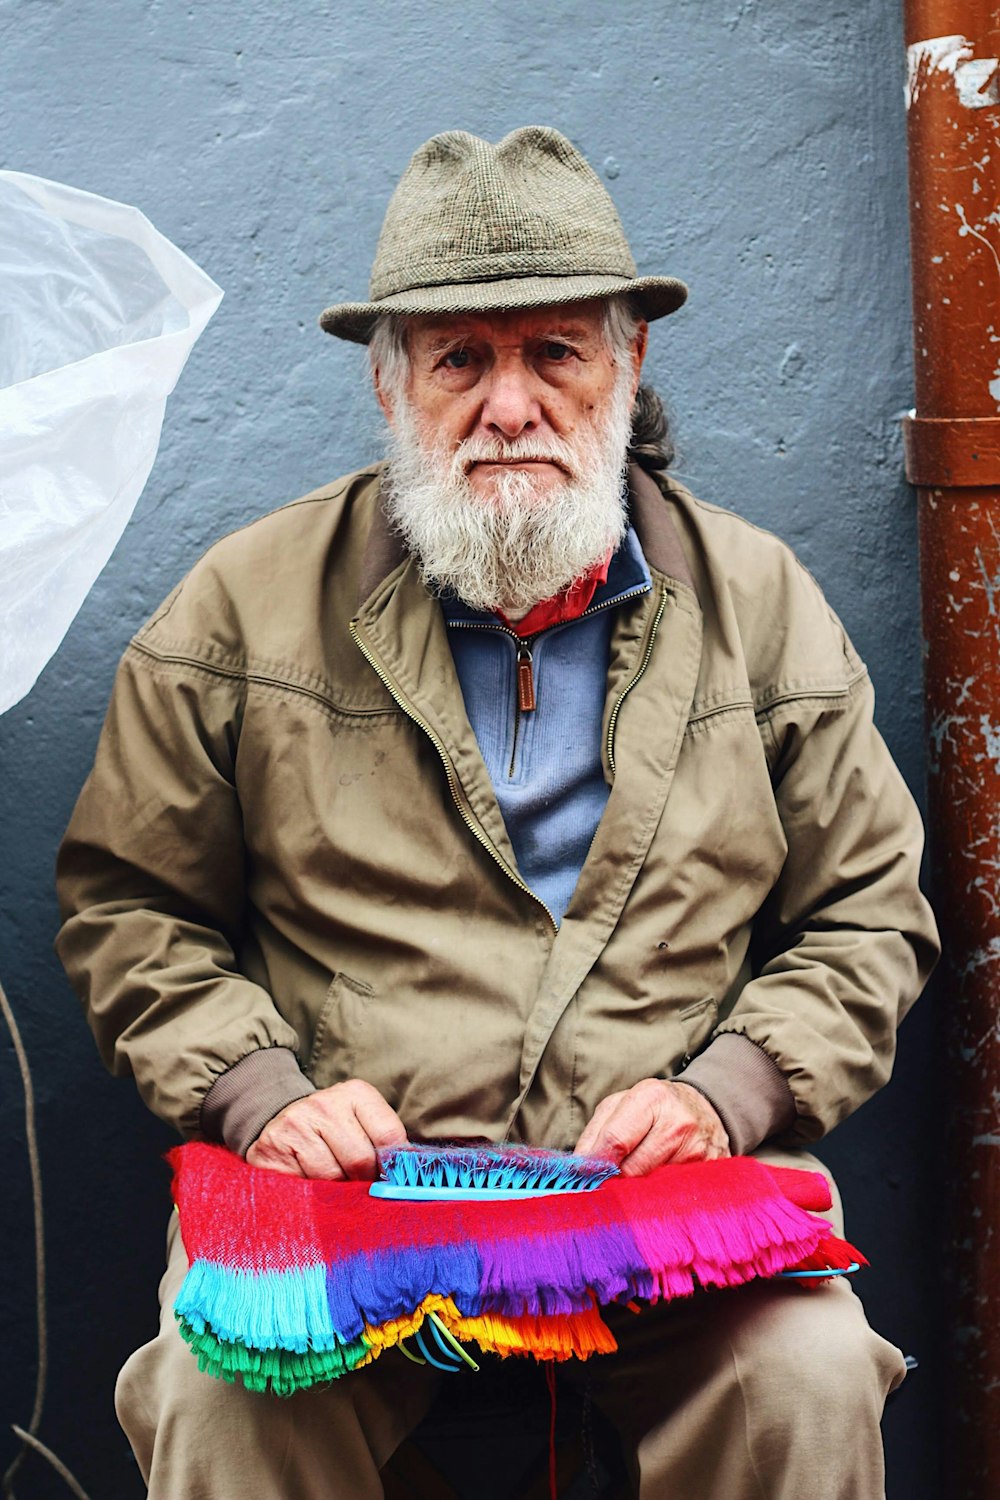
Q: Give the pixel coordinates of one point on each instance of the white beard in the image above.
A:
(523, 543)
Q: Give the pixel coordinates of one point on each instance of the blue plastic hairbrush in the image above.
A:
(485, 1171)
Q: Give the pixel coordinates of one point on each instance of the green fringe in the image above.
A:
(277, 1370)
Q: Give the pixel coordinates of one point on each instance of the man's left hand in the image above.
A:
(654, 1122)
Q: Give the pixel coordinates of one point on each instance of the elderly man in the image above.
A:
(505, 789)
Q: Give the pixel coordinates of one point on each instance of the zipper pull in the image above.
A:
(525, 679)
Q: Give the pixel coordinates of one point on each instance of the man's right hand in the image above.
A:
(332, 1134)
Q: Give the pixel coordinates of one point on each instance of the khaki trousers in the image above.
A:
(768, 1392)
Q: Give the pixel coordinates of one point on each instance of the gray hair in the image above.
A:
(650, 444)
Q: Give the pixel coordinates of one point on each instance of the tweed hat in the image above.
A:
(474, 227)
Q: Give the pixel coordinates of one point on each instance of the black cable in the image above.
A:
(29, 1437)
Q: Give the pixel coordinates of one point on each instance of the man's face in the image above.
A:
(508, 449)
(528, 382)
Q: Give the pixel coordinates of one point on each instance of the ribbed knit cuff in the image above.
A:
(746, 1088)
(246, 1096)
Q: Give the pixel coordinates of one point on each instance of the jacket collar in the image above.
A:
(661, 543)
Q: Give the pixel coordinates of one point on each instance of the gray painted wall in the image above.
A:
(757, 150)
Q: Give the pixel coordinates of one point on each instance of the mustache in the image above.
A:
(521, 547)
(496, 450)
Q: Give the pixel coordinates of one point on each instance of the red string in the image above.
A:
(550, 1377)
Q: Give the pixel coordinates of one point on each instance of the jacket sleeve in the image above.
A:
(151, 890)
(845, 941)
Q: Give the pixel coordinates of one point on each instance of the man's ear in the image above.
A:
(382, 395)
(639, 345)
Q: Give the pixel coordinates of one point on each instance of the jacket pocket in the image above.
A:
(341, 1019)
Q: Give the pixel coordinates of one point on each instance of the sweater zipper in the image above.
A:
(449, 772)
(525, 700)
(612, 722)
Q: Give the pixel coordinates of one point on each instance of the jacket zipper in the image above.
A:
(449, 772)
(612, 722)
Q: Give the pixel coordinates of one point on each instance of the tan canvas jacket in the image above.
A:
(288, 866)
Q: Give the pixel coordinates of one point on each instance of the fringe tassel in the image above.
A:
(294, 1282)
(554, 1274)
(265, 1309)
(387, 1335)
(377, 1289)
(560, 1336)
(277, 1370)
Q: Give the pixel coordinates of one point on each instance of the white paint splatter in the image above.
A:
(991, 734)
(979, 959)
(938, 54)
(991, 585)
(940, 733)
(994, 387)
(978, 82)
(972, 229)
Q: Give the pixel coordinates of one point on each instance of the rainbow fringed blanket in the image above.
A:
(294, 1282)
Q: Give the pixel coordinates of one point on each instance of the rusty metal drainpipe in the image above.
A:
(952, 443)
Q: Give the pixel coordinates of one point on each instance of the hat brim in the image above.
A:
(654, 296)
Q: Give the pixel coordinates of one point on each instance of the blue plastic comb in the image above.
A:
(485, 1172)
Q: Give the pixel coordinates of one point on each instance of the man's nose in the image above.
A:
(510, 403)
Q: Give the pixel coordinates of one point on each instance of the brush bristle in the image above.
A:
(496, 1167)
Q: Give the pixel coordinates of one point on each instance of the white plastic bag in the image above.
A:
(98, 314)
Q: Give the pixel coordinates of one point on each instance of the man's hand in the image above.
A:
(331, 1134)
(654, 1122)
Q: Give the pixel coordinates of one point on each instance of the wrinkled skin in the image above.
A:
(335, 1133)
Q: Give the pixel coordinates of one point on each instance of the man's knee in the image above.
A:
(161, 1397)
(132, 1408)
(813, 1348)
(203, 1438)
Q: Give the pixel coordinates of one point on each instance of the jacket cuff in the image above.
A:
(246, 1096)
(746, 1088)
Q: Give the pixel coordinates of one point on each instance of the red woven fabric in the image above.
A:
(243, 1217)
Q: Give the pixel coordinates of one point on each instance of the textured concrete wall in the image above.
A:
(754, 149)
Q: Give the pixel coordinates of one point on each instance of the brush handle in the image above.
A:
(826, 1275)
(397, 1190)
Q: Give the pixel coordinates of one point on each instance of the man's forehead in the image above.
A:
(569, 318)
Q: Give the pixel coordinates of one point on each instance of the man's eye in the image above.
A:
(556, 351)
(457, 359)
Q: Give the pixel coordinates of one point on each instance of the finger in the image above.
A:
(294, 1136)
(378, 1119)
(662, 1143)
(676, 1135)
(297, 1154)
(348, 1143)
(260, 1155)
(319, 1162)
(316, 1156)
(626, 1124)
(591, 1134)
(678, 1147)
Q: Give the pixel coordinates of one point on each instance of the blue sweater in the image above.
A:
(545, 763)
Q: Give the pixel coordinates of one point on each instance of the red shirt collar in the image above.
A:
(569, 605)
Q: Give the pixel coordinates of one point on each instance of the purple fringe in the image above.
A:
(541, 1275)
